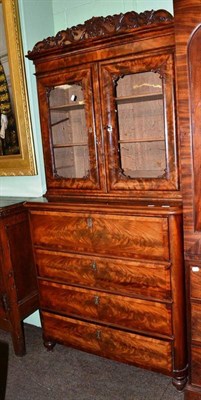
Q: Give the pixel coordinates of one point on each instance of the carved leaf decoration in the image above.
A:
(101, 26)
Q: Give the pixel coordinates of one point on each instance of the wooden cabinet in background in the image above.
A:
(107, 236)
(187, 16)
(18, 286)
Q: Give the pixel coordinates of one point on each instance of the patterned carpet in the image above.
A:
(68, 374)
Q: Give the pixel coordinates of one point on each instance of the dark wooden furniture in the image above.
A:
(4, 354)
(18, 286)
(108, 236)
(188, 70)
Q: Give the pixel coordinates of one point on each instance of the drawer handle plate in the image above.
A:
(98, 335)
(94, 266)
(96, 300)
(89, 222)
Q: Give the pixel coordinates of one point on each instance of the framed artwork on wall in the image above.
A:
(16, 139)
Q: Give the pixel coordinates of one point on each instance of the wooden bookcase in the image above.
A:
(108, 235)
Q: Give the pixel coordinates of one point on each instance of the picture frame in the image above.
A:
(22, 163)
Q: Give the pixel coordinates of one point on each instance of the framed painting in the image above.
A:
(16, 139)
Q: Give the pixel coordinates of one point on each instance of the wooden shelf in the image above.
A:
(60, 121)
(140, 140)
(60, 146)
(67, 107)
(145, 174)
(138, 98)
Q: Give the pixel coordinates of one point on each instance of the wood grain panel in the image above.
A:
(119, 236)
(196, 365)
(194, 58)
(130, 313)
(187, 19)
(111, 343)
(124, 277)
(195, 280)
(196, 321)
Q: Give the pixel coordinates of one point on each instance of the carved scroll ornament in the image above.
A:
(102, 26)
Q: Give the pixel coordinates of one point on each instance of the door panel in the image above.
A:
(139, 123)
(69, 130)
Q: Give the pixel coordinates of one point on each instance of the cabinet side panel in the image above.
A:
(194, 65)
(187, 19)
(21, 255)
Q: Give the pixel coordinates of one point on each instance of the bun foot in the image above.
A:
(49, 344)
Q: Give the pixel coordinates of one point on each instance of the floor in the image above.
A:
(68, 374)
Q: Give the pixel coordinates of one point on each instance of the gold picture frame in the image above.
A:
(24, 162)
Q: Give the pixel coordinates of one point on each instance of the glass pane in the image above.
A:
(69, 131)
(140, 110)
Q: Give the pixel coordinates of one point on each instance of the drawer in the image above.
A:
(195, 280)
(196, 365)
(126, 312)
(112, 235)
(122, 346)
(122, 276)
(196, 321)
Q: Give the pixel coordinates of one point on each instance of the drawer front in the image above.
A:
(196, 365)
(126, 277)
(126, 347)
(117, 235)
(126, 312)
(196, 321)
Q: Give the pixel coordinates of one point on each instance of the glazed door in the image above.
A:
(139, 124)
(69, 131)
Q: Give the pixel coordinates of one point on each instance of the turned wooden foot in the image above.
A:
(180, 379)
(49, 344)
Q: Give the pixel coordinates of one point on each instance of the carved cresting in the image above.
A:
(102, 26)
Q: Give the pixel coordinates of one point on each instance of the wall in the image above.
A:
(69, 13)
(33, 29)
(57, 14)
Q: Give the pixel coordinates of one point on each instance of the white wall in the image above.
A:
(68, 13)
(33, 13)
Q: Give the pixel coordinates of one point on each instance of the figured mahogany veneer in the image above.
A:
(91, 233)
(125, 312)
(151, 279)
(187, 39)
(103, 271)
(111, 343)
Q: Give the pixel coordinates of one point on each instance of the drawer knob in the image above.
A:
(195, 268)
(94, 266)
(96, 300)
